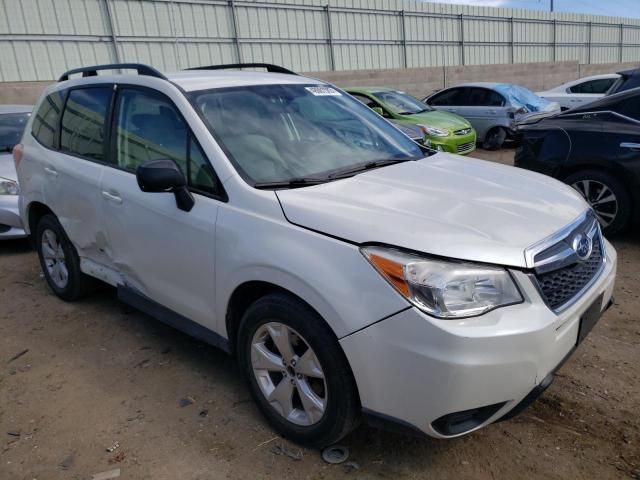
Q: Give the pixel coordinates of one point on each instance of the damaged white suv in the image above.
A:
(354, 273)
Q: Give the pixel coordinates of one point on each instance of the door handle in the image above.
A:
(630, 145)
(51, 171)
(112, 197)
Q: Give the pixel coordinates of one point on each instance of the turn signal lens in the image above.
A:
(392, 271)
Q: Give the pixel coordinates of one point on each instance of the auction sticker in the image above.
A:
(323, 91)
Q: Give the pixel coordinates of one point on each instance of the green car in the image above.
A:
(443, 131)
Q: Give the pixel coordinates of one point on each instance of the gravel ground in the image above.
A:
(92, 374)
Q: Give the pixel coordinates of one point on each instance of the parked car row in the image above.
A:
(355, 274)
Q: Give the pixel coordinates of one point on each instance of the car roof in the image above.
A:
(481, 84)
(191, 80)
(15, 109)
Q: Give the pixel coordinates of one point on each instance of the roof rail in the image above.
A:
(270, 68)
(93, 71)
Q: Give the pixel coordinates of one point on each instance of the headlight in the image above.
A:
(434, 132)
(444, 289)
(8, 187)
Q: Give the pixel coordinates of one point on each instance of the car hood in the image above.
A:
(443, 205)
(438, 119)
(7, 167)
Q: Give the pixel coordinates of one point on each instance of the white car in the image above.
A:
(581, 91)
(353, 272)
(13, 119)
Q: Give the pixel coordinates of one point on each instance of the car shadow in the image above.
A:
(15, 246)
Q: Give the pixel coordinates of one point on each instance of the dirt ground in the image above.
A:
(91, 375)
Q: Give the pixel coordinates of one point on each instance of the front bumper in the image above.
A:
(10, 221)
(458, 144)
(416, 369)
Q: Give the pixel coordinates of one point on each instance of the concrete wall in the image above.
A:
(423, 81)
(416, 81)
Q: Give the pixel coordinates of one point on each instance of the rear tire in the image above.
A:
(606, 195)
(314, 406)
(494, 138)
(59, 261)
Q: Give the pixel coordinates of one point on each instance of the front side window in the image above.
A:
(45, 122)
(283, 132)
(149, 127)
(11, 129)
(401, 103)
(83, 122)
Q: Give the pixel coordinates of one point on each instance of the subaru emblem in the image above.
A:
(582, 245)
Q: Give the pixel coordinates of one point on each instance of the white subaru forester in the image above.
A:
(353, 272)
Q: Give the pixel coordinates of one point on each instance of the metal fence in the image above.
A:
(41, 38)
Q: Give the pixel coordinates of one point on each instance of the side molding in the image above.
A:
(140, 302)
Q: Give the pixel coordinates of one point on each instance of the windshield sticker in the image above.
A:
(323, 91)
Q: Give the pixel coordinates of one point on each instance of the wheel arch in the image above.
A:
(246, 293)
(612, 169)
(35, 211)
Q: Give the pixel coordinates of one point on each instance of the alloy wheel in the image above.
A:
(600, 197)
(54, 259)
(289, 373)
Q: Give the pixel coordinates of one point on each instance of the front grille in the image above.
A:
(559, 286)
(463, 147)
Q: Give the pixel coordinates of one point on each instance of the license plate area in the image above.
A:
(589, 318)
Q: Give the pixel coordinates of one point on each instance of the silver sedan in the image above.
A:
(13, 119)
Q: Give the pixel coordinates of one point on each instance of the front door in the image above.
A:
(164, 253)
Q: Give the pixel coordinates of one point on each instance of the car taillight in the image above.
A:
(17, 151)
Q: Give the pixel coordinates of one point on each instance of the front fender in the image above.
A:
(330, 275)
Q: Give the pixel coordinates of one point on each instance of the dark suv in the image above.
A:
(595, 149)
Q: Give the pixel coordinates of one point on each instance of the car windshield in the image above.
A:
(522, 97)
(11, 128)
(401, 103)
(280, 133)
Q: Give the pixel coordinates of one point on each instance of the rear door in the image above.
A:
(162, 252)
(74, 171)
(484, 108)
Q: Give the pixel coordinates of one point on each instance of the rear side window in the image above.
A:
(593, 86)
(452, 97)
(45, 122)
(149, 127)
(483, 97)
(83, 122)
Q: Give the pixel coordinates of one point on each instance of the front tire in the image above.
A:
(296, 371)
(59, 261)
(606, 195)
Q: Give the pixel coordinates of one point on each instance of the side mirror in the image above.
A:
(165, 176)
(378, 110)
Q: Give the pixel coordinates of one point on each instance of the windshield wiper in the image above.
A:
(416, 112)
(349, 172)
(291, 183)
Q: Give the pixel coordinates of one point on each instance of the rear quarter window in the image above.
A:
(47, 118)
